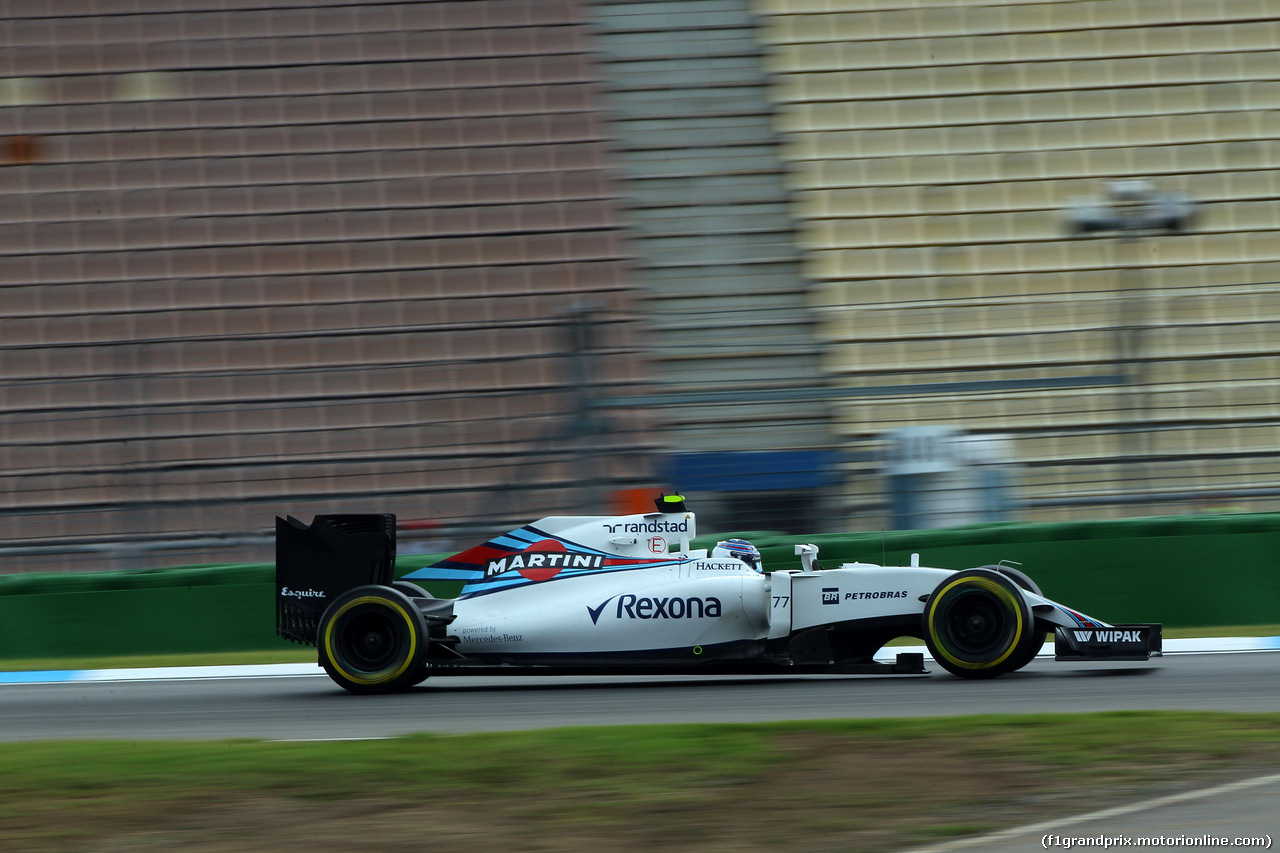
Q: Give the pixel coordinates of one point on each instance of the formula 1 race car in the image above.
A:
(627, 594)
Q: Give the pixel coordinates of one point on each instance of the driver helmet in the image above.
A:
(739, 549)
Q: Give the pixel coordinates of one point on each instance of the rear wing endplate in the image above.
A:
(317, 563)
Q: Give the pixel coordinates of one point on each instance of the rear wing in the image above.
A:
(316, 564)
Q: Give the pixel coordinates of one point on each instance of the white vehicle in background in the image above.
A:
(627, 594)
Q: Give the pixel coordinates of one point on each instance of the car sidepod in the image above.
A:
(669, 615)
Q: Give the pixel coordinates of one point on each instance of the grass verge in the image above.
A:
(868, 785)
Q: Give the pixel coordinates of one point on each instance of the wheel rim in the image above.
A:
(977, 625)
(370, 641)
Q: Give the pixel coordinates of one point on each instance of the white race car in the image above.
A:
(627, 594)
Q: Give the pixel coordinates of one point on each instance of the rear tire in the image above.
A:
(411, 589)
(977, 624)
(372, 639)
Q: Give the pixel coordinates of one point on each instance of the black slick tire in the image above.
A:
(372, 639)
(411, 589)
(1024, 580)
(977, 624)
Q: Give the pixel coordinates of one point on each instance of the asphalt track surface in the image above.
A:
(311, 707)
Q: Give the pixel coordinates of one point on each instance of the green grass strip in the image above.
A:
(850, 784)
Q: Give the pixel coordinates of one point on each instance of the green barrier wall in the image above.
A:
(223, 608)
(169, 611)
(1184, 572)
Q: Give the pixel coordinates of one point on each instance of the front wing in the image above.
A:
(1117, 642)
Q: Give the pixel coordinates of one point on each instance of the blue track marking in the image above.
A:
(42, 676)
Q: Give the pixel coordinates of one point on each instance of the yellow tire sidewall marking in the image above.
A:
(371, 599)
(1000, 592)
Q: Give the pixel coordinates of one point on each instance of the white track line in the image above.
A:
(1039, 829)
(161, 673)
(1188, 646)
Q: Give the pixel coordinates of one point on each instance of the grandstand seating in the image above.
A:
(280, 257)
(932, 151)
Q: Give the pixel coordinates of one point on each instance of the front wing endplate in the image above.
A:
(1117, 642)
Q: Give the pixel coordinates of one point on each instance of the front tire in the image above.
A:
(977, 624)
(372, 639)
(1024, 580)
